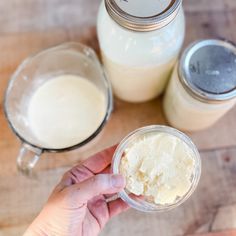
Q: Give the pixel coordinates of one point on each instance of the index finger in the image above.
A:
(100, 161)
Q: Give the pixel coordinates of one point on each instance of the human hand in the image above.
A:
(78, 204)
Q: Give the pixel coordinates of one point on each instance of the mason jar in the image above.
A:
(140, 42)
(203, 85)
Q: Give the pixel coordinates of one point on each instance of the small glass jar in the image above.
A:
(203, 85)
(140, 203)
(140, 42)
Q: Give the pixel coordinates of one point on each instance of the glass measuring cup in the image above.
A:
(68, 58)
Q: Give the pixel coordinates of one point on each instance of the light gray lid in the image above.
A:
(143, 15)
(207, 70)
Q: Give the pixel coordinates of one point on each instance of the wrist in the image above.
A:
(31, 231)
(35, 229)
(44, 226)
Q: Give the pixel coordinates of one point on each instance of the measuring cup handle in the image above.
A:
(27, 159)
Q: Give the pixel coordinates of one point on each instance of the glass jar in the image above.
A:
(203, 85)
(140, 42)
(140, 203)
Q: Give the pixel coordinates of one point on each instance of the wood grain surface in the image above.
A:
(27, 26)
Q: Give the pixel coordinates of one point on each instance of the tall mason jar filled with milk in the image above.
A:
(203, 85)
(140, 42)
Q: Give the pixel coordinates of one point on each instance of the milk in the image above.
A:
(65, 110)
(139, 64)
(136, 83)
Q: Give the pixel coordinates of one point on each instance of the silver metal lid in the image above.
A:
(207, 70)
(140, 15)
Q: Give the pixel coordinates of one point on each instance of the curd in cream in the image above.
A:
(159, 167)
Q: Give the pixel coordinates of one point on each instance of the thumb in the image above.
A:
(96, 185)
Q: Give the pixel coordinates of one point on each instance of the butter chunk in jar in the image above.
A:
(140, 42)
(203, 85)
(161, 166)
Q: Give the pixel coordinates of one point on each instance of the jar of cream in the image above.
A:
(140, 42)
(203, 85)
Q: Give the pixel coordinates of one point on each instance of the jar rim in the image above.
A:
(143, 24)
(184, 77)
(144, 205)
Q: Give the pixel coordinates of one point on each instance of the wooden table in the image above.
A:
(27, 26)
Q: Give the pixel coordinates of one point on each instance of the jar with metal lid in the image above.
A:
(203, 85)
(140, 42)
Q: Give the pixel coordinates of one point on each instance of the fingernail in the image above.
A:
(118, 181)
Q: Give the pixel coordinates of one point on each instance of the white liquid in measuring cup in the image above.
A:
(65, 111)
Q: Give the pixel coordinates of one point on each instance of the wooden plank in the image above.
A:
(13, 231)
(225, 219)
(28, 15)
(209, 6)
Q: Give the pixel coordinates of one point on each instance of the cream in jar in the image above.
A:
(203, 86)
(140, 42)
